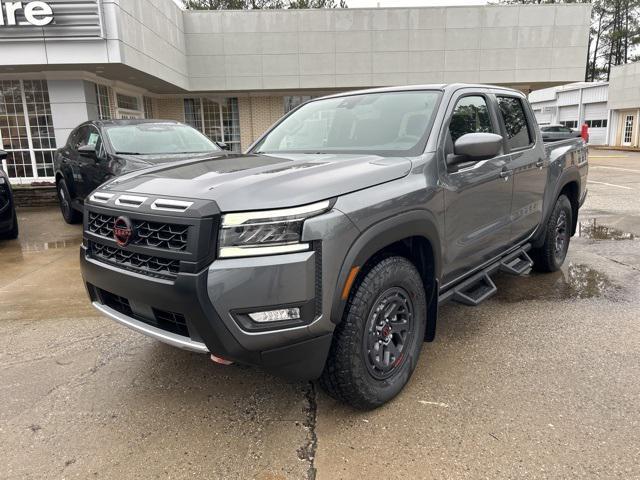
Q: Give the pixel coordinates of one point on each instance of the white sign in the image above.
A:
(38, 14)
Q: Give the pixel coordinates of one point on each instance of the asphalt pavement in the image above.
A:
(541, 381)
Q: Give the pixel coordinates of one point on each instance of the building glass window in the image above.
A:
(148, 107)
(104, 102)
(218, 120)
(127, 102)
(596, 123)
(26, 129)
(570, 123)
(291, 102)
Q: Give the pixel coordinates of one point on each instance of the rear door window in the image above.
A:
(515, 122)
(471, 115)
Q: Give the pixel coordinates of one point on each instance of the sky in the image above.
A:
(410, 3)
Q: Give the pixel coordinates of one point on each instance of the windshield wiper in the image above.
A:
(129, 153)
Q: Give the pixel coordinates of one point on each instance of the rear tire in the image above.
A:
(70, 215)
(551, 255)
(376, 346)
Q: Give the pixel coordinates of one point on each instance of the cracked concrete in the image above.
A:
(538, 382)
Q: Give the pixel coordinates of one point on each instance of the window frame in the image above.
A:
(529, 119)
(26, 156)
(452, 102)
(200, 120)
(120, 111)
(494, 125)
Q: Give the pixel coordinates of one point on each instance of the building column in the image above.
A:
(257, 114)
(72, 102)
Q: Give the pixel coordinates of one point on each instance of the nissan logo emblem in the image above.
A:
(123, 231)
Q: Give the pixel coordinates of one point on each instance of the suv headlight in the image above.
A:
(267, 232)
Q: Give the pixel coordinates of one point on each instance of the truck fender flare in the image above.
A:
(416, 223)
(566, 177)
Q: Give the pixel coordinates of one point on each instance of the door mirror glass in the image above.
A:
(477, 146)
(3, 154)
(223, 145)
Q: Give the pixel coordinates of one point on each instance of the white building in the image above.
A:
(574, 105)
(624, 105)
(232, 74)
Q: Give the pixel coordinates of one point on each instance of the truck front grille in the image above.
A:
(169, 321)
(137, 262)
(166, 236)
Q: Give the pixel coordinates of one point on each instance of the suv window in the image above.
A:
(81, 137)
(88, 135)
(515, 122)
(470, 115)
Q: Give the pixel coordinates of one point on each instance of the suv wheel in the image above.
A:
(376, 346)
(13, 233)
(551, 255)
(69, 214)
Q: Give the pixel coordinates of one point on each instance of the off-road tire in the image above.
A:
(70, 214)
(347, 375)
(548, 257)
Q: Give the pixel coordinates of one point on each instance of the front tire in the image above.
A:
(551, 255)
(12, 234)
(70, 215)
(376, 346)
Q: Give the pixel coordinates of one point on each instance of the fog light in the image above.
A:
(276, 315)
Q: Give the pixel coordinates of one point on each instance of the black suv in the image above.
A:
(8, 217)
(99, 150)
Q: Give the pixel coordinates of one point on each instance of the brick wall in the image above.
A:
(257, 114)
(169, 109)
(30, 196)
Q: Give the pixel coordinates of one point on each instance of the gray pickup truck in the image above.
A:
(326, 250)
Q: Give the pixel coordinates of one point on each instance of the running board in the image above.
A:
(518, 265)
(479, 287)
(475, 293)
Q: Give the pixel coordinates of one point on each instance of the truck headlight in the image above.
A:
(266, 232)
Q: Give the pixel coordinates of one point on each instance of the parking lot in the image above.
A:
(541, 381)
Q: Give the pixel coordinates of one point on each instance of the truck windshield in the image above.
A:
(158, 138)
(386, 123)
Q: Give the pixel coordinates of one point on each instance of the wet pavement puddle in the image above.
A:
(592, 230)
(22, 247)
(572, 282)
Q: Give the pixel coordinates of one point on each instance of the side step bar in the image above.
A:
(479, 287)
(518, 265)
(476, 292)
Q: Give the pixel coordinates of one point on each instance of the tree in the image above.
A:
(261, 4)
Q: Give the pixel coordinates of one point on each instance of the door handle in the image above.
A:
(506, 174)
(540, 163)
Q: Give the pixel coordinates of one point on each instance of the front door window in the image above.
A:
(627, 130)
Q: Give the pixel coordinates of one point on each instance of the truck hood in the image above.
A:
(253, 182)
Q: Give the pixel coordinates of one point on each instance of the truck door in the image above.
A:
(528, 164)
(477, 195)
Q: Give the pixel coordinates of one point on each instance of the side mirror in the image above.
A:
(87, 151)
(3, 154)
(223, 146)
(478, 146)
